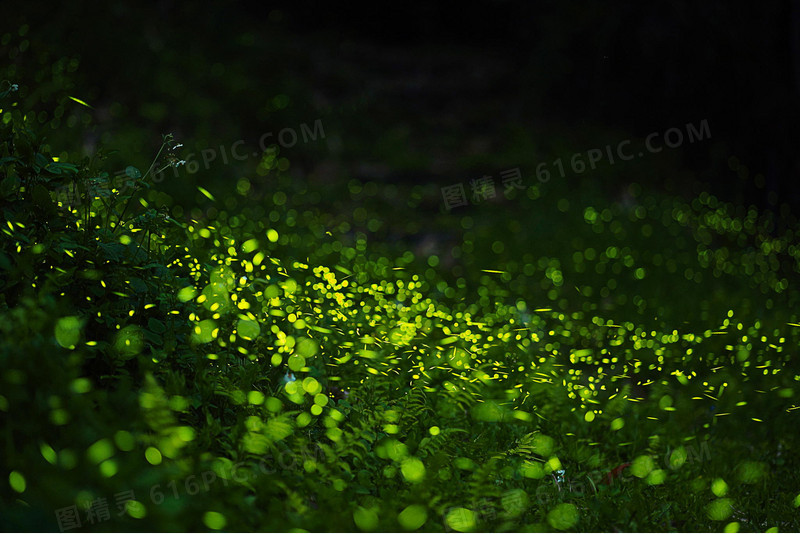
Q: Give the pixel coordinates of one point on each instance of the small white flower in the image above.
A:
(14, 87)
(288, 377)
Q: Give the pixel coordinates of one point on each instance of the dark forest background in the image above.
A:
(552, 68)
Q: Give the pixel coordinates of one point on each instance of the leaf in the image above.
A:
(156, 326)
(42, 160)
(8, 185)
(138, 285)
(41, 197)
(112, 251)
(61, 168)
(153, 338)
(133, 172)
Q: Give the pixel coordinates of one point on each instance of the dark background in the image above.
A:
(631, 65)
(448, 70)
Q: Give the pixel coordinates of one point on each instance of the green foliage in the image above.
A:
(253, 370)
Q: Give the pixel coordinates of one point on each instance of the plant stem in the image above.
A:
(136, 187)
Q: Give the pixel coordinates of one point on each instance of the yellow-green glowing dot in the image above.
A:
(124, 440)
(642, 466)
(17, 481)
(304, 419)
(563, 517)
(461, 519)
(136, 509)
(100, 450)
(48, 453)
(153, 455)
(719, 487)
(434, 430)
(109, 468)
(312, 386)
(366, 519)
(255, 397)
(273, 405)
(720, 509)
(214, 520)
(413, 470)
(656, 477)
(412, 517)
